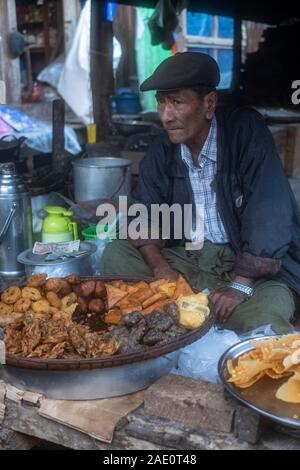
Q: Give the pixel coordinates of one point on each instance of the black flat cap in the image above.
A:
(184, 70)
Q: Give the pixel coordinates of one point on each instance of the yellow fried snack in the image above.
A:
(167, 288)
(41, 306)
(22, 305)
(31, 293)
(275, 358)
(192, 319)
(5, 309)
(290, 390)
(193, 310)
(11, 295)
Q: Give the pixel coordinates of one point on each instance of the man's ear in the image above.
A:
(210, 102)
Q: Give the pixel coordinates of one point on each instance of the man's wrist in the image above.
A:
(246, 281)
(247, 290)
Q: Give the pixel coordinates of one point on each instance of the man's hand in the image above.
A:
(157, 263)
(165, 272)
(225, 301)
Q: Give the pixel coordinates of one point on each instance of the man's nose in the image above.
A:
(167, 113)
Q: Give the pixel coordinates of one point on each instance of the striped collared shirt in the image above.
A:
(202, 177)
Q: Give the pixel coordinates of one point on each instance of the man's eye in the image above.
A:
(176, 101)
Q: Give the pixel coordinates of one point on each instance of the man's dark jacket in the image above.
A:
(254, 198)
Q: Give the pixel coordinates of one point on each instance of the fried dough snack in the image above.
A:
(6, 309)
(87, 288)
(275, 358)
(37, 280)
(31, 293)
(11, 295)
(53, 299)
(22, 305)
(96, 305)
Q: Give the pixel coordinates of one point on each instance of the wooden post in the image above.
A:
(9, 68)
(102, 79)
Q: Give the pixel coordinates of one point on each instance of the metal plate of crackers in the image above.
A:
(264, 374)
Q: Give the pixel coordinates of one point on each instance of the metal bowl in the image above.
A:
(260, 396)
(36, 264)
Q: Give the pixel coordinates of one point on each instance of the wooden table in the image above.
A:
(23, 427)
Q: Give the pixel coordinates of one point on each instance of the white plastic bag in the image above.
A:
(200, 359)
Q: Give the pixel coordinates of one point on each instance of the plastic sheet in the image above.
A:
(200, 359)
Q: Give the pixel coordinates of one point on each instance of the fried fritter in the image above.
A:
(73, 279)
(37, 280)
(31, 293)
(87, 288)
(11, 295)
(53, 299)
(96, 305)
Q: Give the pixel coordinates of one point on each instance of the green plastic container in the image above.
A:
(90, 233)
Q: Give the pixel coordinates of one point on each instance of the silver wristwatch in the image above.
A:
(242, 288)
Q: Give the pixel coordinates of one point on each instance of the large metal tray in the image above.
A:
(260, 396)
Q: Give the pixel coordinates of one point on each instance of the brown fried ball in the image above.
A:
(73, 279)
(76, 288)
(53, 299)
(37, 280)
(31, 293)
(82, 305)
(87, 288)
(11, 295)
(22, 305)
(53, 285)
(100, 290)
(65, 288)
(97, 306)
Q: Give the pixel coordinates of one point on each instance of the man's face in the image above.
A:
(184, 114)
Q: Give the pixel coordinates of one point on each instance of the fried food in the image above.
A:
(53, 285)
(5, 309)
(182, 288)
(11, 295)
(96, 305)
(114, 295)
(87, 288)
(82, 305)
(290, 390)
(153, 299)
(275, 358)
(157, 306)
(154, 285)
(65, 288)
(53, 299)
(31, 293)
(131, 289)
(6, 320)
(41, 306)
(113, 317)
(37, 280)
(22, 305)
(193, 319)
(73, 279)
(167, 288)
(100, 290)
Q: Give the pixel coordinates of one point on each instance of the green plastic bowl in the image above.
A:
(90, 233)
